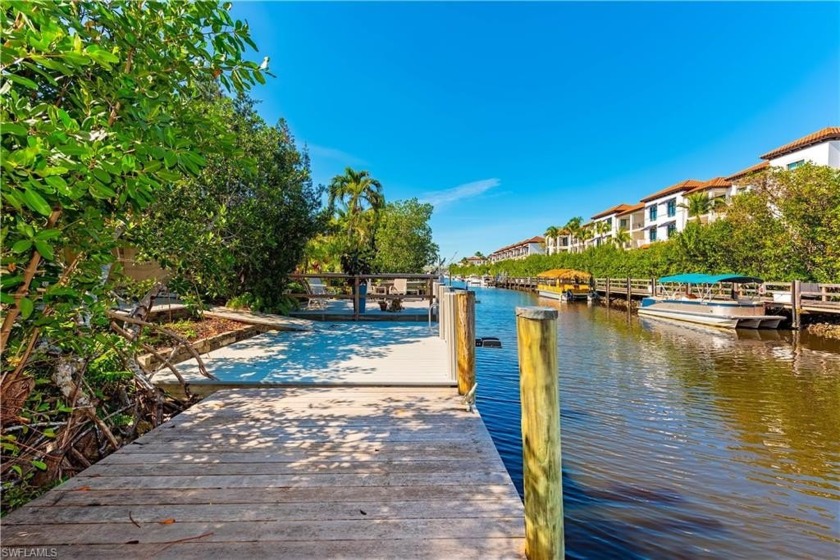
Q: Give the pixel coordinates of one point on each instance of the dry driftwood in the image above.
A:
(180, 339)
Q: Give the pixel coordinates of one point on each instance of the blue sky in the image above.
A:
(513, 117)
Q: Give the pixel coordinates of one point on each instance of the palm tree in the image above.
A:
(699, 204)
(586, 233)
(602, 228)
(622, 238)
(551, 233)
(357, 198)
(573, 226)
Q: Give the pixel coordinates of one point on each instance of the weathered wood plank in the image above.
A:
(219, 496)
(39, 534)
(476, 476)
(419, 549)
(295, 451)
(276, 468)
(290, 511)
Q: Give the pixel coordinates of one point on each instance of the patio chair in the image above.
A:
(400, 287)
(317, 288)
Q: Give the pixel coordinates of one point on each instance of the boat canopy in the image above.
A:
(564, 274)
(698, 278)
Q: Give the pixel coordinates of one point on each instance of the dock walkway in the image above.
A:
(291, 473)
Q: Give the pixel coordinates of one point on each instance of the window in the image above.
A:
(672, 229)
(624, 223)
(652, 213)
(652, 236)
(672, 207)
(609, 222)
(796, 164)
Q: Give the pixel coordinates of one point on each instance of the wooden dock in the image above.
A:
(291, 473)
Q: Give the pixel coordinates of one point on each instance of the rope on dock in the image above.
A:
(469, 398)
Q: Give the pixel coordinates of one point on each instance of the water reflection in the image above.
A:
(680, 442)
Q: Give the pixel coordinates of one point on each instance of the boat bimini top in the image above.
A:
(705, 284)
(698, 278)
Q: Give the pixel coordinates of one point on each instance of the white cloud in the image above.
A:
(334, 154)
(468, 190)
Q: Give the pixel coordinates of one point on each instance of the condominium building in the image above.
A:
(520, 250)
(558, 244)
(660, 215)
(665, 212)
(605, 225)
(632, 220)
(820, 148)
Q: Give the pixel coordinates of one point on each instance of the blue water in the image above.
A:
(678, 443)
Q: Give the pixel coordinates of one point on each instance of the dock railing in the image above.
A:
(346, 287)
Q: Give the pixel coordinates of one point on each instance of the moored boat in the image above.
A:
(700, 299)
(565, 284)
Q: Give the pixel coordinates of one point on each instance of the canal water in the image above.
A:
(678, 443)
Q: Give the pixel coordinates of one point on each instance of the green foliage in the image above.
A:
(98, 113)
(260, 206)
(404, 238)
(357, 261)
(356, 201)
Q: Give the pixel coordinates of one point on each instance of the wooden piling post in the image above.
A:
(629, 292)
(536, 332)
(452, 332)
(466, 341)
(441, 290)
(608, 292)
(796, 303)
(356, 298)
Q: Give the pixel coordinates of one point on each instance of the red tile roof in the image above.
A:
(631, 209)
(673, 189)
(717, 182)
(749, 171)
(536, 239)
(614, 210)
(824, 135)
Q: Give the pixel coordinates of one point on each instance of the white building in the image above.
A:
(559, 244)
(658, 216)
(605, 225)
(820, 148)
(520, 250)
(664, 212)
(632, 219)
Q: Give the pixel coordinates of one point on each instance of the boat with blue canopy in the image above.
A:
(715, 300)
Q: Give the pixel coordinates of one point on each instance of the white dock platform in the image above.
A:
(346, 353)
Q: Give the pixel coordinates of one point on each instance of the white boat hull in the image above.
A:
(714, 319)
(710, 320)
(561, 296)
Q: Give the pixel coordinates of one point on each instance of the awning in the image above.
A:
(699, 278)
(564, 274)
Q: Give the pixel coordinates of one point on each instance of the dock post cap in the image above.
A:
(538, 313)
